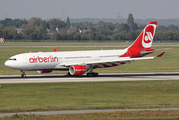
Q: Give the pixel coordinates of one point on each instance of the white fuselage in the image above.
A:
(57, 60)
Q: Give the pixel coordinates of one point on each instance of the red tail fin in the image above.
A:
(143, 42)
(55, 50)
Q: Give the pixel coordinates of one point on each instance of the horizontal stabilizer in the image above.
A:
(160, 55)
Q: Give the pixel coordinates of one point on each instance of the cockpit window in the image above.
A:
(12, 59)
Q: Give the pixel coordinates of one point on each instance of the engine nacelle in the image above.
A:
(77, 69)
(44, 71)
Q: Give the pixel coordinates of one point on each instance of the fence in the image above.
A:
(88, 41)
(85, 41)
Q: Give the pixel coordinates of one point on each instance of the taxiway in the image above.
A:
(82, 111)
(48, 78)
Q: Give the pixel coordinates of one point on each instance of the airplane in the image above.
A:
(80, 62)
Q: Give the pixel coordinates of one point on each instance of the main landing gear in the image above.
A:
(69, 74)
(91, 73)
(23, 75)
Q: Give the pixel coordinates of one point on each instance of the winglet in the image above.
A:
(160, 55)
(55, 50)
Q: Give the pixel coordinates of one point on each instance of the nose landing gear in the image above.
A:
(23, 75)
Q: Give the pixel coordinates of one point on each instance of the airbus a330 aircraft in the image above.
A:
(80, 62)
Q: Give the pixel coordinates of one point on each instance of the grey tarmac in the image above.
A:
(49, 78)
(82, 111)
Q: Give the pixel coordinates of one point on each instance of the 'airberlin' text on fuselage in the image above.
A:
(39, 59)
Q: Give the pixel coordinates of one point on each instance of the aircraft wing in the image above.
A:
(109, 62)
(118, 60)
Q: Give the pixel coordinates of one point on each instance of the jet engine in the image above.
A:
(77, 69)
(44, 71)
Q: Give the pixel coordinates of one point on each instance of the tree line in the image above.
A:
(55, 29)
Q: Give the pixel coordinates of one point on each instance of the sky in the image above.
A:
(47, 9)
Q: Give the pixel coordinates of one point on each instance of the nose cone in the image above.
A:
(14, 62)
(6, 63)
(10, 64)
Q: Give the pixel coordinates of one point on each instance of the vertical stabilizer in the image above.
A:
(145, 39)
(143, 42)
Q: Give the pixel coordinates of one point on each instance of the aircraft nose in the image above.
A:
(10, 64)
(7, 63)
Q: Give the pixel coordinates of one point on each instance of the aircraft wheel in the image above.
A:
(95, 74)
(89, 74)
(69, 74)
(92, 74)
(23, 75)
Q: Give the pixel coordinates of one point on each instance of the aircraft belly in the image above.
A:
(39, 66)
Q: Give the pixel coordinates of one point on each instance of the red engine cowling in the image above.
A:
(77, 69)
(44, 71)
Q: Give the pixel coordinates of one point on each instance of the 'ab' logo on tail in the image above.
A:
(148, 36)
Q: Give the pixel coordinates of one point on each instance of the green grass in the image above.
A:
(167, 63)
(135, 115)
(92, 95)
(97, 95)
